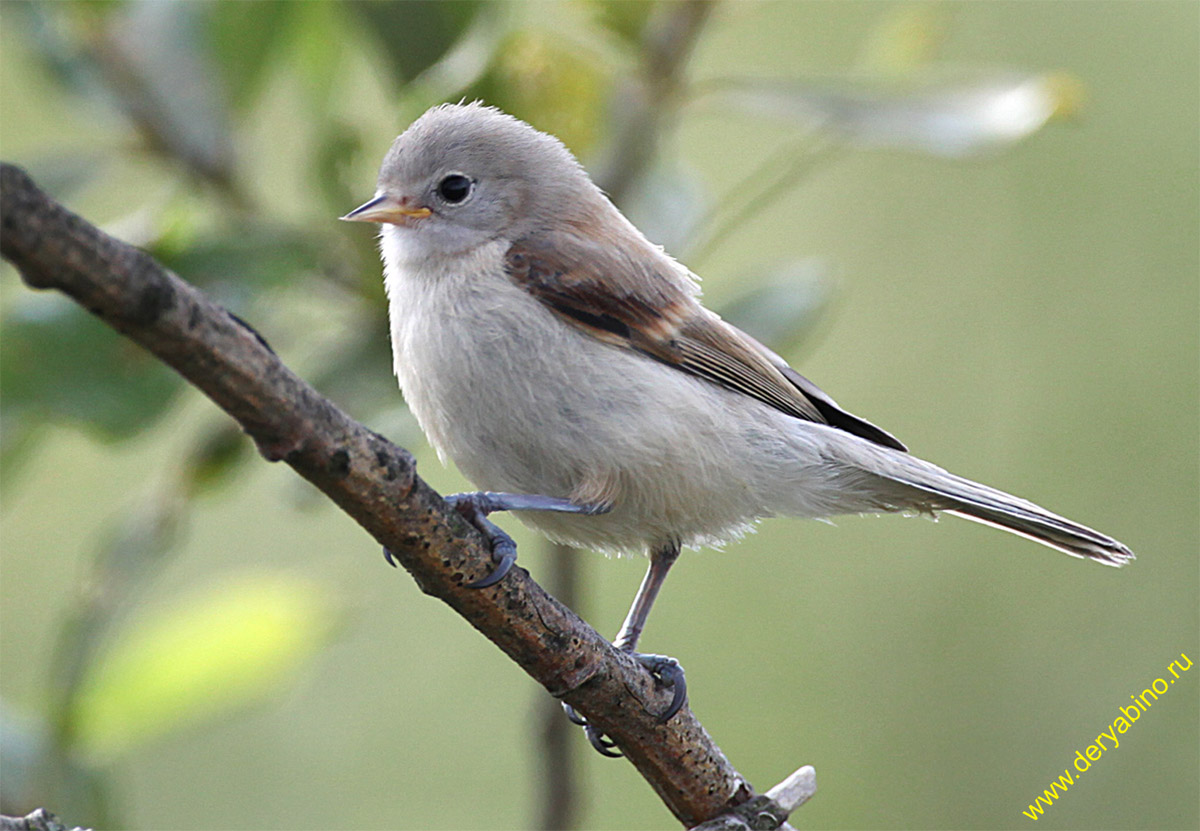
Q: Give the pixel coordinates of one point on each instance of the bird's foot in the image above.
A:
(667, 672)
(603, 744)
(475, 507)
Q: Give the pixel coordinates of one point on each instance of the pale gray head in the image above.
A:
(465, 174)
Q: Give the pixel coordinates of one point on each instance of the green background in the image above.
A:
(1028, 319)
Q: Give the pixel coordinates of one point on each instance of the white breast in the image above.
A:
(521, 401)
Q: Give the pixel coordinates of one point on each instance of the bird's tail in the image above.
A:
(971, 500)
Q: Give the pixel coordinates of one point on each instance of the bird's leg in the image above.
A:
(475, 507)
(661, 560)
(667, 670)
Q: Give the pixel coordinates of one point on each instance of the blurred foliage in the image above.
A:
(118, 392)
(415, 40)
(225, 138)
(956, 117)
(225, 646)
(189, 80)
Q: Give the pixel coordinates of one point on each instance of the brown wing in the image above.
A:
(643, 300)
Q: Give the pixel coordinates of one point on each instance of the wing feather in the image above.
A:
(643, 300)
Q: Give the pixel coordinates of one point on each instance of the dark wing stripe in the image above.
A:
(604, 322)
(835, 415)
(629, 301)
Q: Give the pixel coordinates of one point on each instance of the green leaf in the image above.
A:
(207, 655)
(624, 18)
(20, 433)
(242, 261)
(416, 33)
(214, 458)
(556, 85)
(243, 40)
(337, 150)
(316, 36)
(61, 362)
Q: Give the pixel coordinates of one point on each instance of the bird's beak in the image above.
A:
(385, 208)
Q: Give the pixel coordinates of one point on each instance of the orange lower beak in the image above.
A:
(385, 209)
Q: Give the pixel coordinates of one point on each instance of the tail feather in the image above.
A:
(989, 506)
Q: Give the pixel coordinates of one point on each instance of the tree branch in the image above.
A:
(642, 103)
(374, 482)
(39, 820)
(770, 810)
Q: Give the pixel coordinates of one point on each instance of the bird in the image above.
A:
(566, 365)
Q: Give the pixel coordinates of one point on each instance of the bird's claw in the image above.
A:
(603, 744)
(666, 671)
(475, 507)
(504, 554)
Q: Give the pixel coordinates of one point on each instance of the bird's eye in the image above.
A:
(455, 188)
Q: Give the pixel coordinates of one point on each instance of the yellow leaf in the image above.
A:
(555, 86)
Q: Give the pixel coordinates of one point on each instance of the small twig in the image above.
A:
(797, 789)
(769, 811)
(143, 106)
(39, 820)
